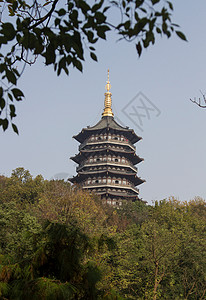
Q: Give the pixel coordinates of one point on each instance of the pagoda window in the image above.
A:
(124, 181)
(115, 138)
(104, 180)
(89, 181)
(109, 180)
(92, 138)
(116, 160)
(116, 181)
(96, 181)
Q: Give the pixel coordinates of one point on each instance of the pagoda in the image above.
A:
(107, 158)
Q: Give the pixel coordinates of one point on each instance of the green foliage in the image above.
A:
(64, 243)
(61, 31)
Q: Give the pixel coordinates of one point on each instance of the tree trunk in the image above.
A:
(156, 282)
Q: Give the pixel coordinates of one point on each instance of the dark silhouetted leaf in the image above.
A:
(18, 94)
(139, 49)
(181, 35)
(11, 76)
(93, 56)
(15, 129)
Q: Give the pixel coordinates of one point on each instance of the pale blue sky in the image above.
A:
(168, 73)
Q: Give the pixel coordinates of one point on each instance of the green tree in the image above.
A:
(61, 31)
(50, 248)
(21, 187)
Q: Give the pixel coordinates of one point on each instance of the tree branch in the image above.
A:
(199, 104)
(46, 16)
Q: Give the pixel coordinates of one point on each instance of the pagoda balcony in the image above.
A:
(110, 185)
(109, 169)
(107, 141)
(107, 163)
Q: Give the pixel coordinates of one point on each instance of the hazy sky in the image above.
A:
(168, 74)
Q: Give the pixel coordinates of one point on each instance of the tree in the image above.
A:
(21, 187)
(61, 31)
(50, 245)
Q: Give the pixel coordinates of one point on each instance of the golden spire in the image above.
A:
(108, 100)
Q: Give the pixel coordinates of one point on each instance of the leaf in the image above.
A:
(97, 6)
(10, 76)
(10, 97)
(139, 48)
(4, 123)
(8, 31)
(18, 94)
(84, 6)
(61, 12)
(1, 92)
(158, 30)
(101, 31)
(15, 129)
(100, 17)
(77, 63)
(93, 56)
(12, 111)
(50, 55)
(57, 21)
(2, 103)
(170, 5)
(181, 35)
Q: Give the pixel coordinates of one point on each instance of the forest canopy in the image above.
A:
(58, 242)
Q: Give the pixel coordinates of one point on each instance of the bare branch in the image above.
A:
(200, 101)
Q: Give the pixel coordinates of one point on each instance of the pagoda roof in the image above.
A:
(107, 122)
(85, 174)
(84, 154)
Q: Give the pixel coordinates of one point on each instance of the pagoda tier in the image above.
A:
(105, 153)
(122, 176)
(107, 158)
(102, 128)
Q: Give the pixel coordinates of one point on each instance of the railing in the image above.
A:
(111, 169)
(98, 163)
(103, 141)
(116, 185)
